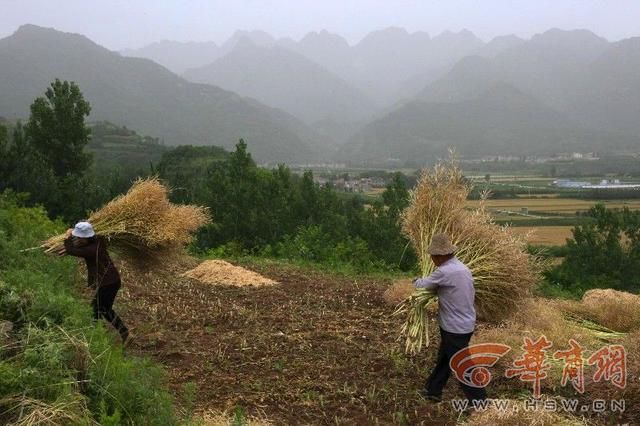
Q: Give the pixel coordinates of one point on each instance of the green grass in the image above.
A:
(55, 354)
(341, 269)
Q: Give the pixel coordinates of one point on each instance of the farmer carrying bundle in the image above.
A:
(490, 273)
(453, 283)
(142, 226)
(102, 275)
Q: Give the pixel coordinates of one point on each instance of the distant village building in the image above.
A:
(613, 184)
(604, 184)
(566, 183)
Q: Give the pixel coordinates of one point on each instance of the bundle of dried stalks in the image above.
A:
(503, 271)
(143, 223)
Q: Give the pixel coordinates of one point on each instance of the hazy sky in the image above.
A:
(117, 24)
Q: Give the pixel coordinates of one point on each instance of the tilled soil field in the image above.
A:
(315, 349)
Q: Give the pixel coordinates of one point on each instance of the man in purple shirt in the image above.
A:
(453, 283)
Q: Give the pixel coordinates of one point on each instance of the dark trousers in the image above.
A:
(102, 305)
(450, 343)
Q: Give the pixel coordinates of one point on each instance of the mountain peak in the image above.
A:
(52, 38)
(258, 37)
(463, 34)
(244, 42)
(143, 95)
(557, 35)
(511, 38)
(387, 35)
(32, 28)
(324, 37)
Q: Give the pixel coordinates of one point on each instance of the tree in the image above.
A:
(46, 158)
(56, 129)
(396, 196)
(382, 228)
(3, 156)
(604, 253)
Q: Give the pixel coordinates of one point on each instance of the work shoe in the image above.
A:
(127, 337)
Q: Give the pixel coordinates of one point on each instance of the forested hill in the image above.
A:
(145, 96)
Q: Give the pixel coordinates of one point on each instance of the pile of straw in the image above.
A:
(504, 273)
(221, 272)
(143, 223)
(607, 309)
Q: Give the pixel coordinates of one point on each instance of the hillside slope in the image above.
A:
(142, 95)
(500, 120)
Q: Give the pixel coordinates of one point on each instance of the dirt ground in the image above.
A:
(318, 348)
(315, 349)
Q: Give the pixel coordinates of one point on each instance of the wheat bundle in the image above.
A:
(143, 223)
(503, 271)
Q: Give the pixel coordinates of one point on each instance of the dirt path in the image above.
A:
(316, 349)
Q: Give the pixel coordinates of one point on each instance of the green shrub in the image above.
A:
(57, 358)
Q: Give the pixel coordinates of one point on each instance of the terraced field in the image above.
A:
(545, 235)
(565, 206)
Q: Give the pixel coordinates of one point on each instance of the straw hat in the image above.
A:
(83, 230)
(441, 245)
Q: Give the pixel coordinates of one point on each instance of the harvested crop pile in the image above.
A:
(503, 271)
(221, 272)
(616, 310)
(143, 223)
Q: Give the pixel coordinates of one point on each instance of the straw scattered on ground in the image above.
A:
(24, 411)
(631, 393)
(214, 418)
(518, 415)
(224, 273)
(536, 317)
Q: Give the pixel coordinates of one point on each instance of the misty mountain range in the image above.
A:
(394, 95)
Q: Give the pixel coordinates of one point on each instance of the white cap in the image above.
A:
(83, 230)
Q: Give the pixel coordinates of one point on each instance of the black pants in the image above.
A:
(450, 343)
(102, 305)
